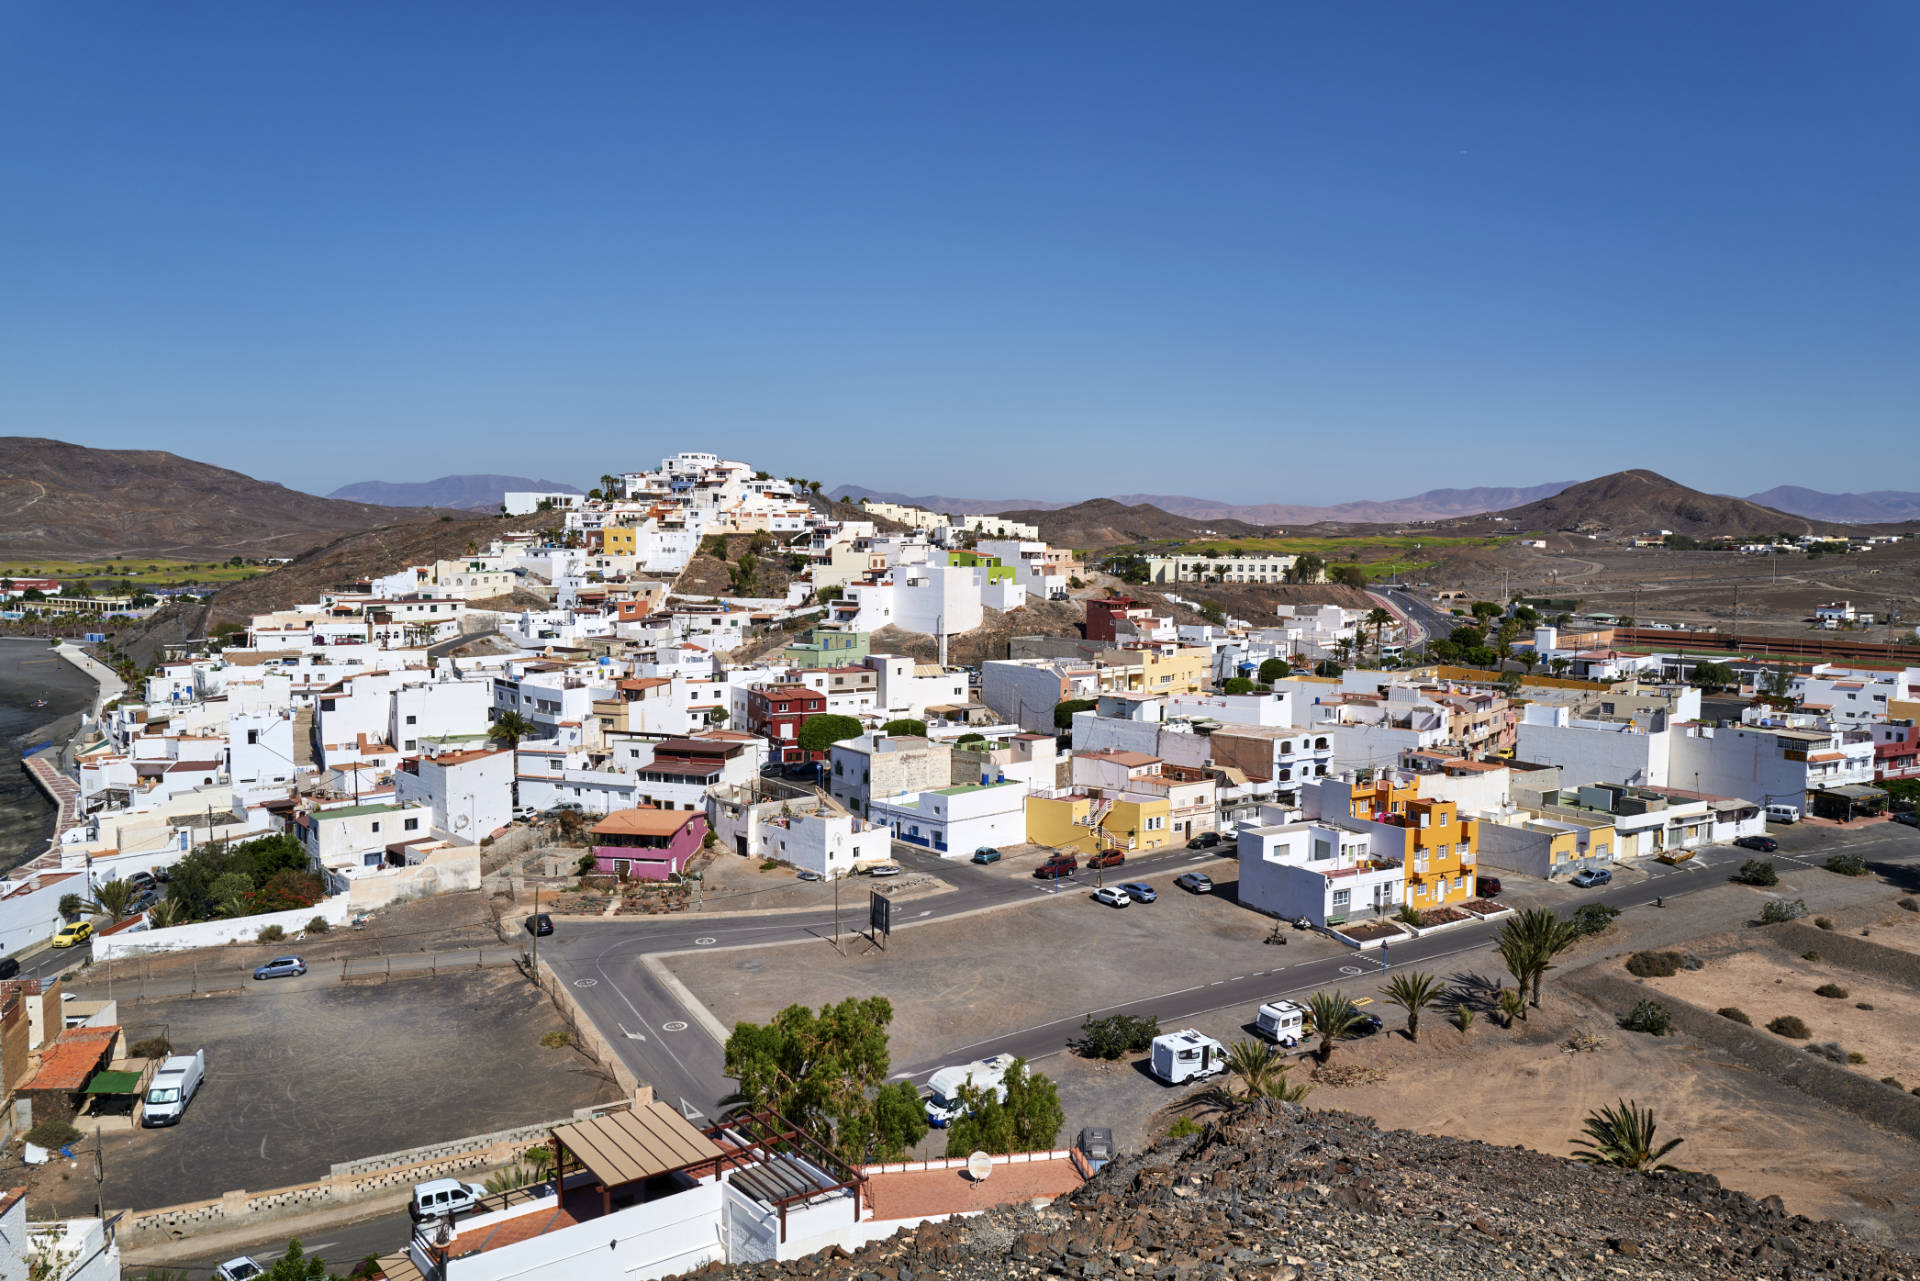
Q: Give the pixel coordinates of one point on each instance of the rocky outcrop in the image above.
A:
(1278, 1192)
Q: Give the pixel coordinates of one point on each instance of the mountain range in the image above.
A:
(1879, 506)
(474, 492)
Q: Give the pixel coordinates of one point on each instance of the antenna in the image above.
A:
(979, 1166)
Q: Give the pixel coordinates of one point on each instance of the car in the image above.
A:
(163, 874)
(282, 967)
(539, 925)
(1487, 886)
(884, 869)
(240, 1269)
(9, 966)
(444, 1199)
(1112, 896)
(73, 932)
(1107, 858)
(523, 812)
(1195, 882)
(986, 854)
(1204, 841)
(1591, 877)
(1365, 1024)
(1765, 844)
(142, 881)
(1140, 891)
(142, 901)
(808, 874)
(1057, 866)
(1910, 817)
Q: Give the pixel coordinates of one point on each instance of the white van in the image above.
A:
(1187, 1055)
(943, 1087)
(444, 1199)
(1783, 813)
(1281, 1022)
(173, 1087)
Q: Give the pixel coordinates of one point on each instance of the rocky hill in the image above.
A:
(1873, 507)
(1637, 502)
(1435, 504)
(473, 493)
(69, 501)
(1278, 1192)
(1102, 522)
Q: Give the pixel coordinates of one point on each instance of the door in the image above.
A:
(740, 844)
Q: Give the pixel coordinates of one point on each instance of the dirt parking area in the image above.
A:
(1767, 986)
(307, 1072)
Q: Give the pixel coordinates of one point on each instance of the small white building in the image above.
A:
(1322, 871)
(355, 836)
(826, 843)
(470, 794)
(955, 821)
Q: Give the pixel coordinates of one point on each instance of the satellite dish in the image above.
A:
(979, 1166)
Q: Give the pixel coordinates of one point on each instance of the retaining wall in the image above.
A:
(243, 929)
(1849, 950)
(583, 1027)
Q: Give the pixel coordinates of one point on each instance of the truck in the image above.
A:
(173, 1087)
(1281, 1022)
(1188, 1055)
(943, 1087)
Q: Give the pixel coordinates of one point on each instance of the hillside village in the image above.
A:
(555, 710)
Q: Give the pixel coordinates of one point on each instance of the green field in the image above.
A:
(1332, 549)
(141, 572)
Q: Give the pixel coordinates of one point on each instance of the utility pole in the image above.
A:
(536, 933)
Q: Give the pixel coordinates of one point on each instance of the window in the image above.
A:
(1342, 897)
(253, 737)
(376, 827)
(1322, 849)
(411, 825)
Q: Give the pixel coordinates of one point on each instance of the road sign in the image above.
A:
(879, 912)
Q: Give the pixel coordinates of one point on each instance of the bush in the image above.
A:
(1823, 922)
(768, 864)
(1183, 1128)
(905, 727)
(1778, 910)
(1593, 918)
(1116, 1036)
(1736, 1014)
(1863, 1005)
(555, 1040)
(272, 934)
(319, 925)
(1847, 865)
(52, 1134)
(1894, 1081)
(1650, 1017)
(1910, 904)
(1809, 956)
(1832, 991)
(1653, 965)
(1828, 1050)
(1789, 1026)
(1855, 1057)
(583, 865)
(151, 1047)
(1757, 871)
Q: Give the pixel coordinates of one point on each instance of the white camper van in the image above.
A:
(1184, 1056)
(943, 1087)
(173, 1087)
(1282, 1022)
(1783, 813)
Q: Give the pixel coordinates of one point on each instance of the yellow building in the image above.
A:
(1172, 671)
(620, 540)
(1438, 849)
(1086, 822)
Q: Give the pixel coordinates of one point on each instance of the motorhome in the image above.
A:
(943, 1087)
(1179, 1057)
(1281, 1022)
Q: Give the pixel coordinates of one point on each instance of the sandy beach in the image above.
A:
(30, 670)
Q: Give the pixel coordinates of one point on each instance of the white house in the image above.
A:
(827, 843)
(469, 793)
(352, 836)
(955, 821)
(1320, 870)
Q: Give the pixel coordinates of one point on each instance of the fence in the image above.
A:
(128, 980)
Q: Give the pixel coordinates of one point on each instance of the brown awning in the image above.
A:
(626, 1147)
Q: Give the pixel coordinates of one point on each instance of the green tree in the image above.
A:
(1467, 637)
(1348, 576)
(1332, 1015)
(1274, 669)
(110, 898)
(71, 905)
(1560, 666)
(827, 1073)
(1413, 991)
(1379, 619)
(818, 733)
(510, 728)
(906, 728)
(1027, 1120)
(1306, 568)
(1064, 709)
(1530, 941)
(1714, 676)
(1623, 1136)
(1237, 685)
(297, 1265)
(1485, 610)
(1257, 1070)
(1529, 658)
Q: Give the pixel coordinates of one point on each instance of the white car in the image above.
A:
(884, 869)
(1112, 896)
(240, 1269)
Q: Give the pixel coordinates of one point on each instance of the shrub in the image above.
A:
(1736, 1014)
(1789, 1026)
(1809, 956)
(52, 1134)
(768, 864)
(583, 865)
(1863, 1005)
(555, 1040)
(319, 925)
(1650, 1017)
(1463, 1015)
(1116, 1036)
(1832, 991)
(151, 1047)
(1823, 922)
(1910, 904)
(1847, 864)
(1854, 1056)
(1828, 1050)
(272, 933)
(1778, 910)
(1653, 965)
(1185, 1127)
(1593, 918)
(1894, 1081)
(1757, 871)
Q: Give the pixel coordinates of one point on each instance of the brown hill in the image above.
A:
(344, 561)
(67, 500)
(1639, 502)
(1101, 522)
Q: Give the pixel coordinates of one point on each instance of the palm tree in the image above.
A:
(507, 730)
(1528, 659)
(1332, 1015)
(166, 914)
(609, 483)
(110, 899)
(1255, 1070)
(1378, 618)
(1534, 938)
(1623, 1136)
(1413, 991)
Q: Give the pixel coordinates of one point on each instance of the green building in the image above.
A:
(828, 647)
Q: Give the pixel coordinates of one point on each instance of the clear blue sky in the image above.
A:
(1253, 252)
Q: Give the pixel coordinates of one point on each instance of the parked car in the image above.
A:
(73, 932)
(524, 812)
(444, 1199)
(142, 901)
(808, 874)
(539, 925)
(1487, 886)
(142, 881)
(163, 874)
(9, 966)
(1910, 817)
(1140, 891)
(1365, 1025)
(282, 967)
(1204, 841)
(1112, 896)
(986, 854)
(1057, 866)
(1195, 882)
(1591, 877)
(884, 869)
(1107, 858)
(240, 1269)
(1765, 844)
(1096, 1144)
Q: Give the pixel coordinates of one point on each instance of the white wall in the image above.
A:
(214, 933)
(659, 1239)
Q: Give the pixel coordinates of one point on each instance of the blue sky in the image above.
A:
(1251, 252)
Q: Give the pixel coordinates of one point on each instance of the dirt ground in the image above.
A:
(299, 1078)
(1898, 928)
(1767, 985)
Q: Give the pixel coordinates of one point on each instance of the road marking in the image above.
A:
(631, 1036)
(1236, 978)
(928, 912)
(1363, 1000)
(675, 1026)
(586, 982)
(704, 942)
(1351, 969)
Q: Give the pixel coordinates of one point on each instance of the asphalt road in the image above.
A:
(1427, 616)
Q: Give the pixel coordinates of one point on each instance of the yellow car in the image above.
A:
(76, 932)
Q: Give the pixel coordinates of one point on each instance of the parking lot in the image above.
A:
(303, 1073)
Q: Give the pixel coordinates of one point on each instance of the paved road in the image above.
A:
(1437, 623)
(342, 1247)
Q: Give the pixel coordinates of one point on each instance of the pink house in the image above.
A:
(647, 844)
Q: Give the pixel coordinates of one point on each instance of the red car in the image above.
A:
(1111, 858)
(1056, 867)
